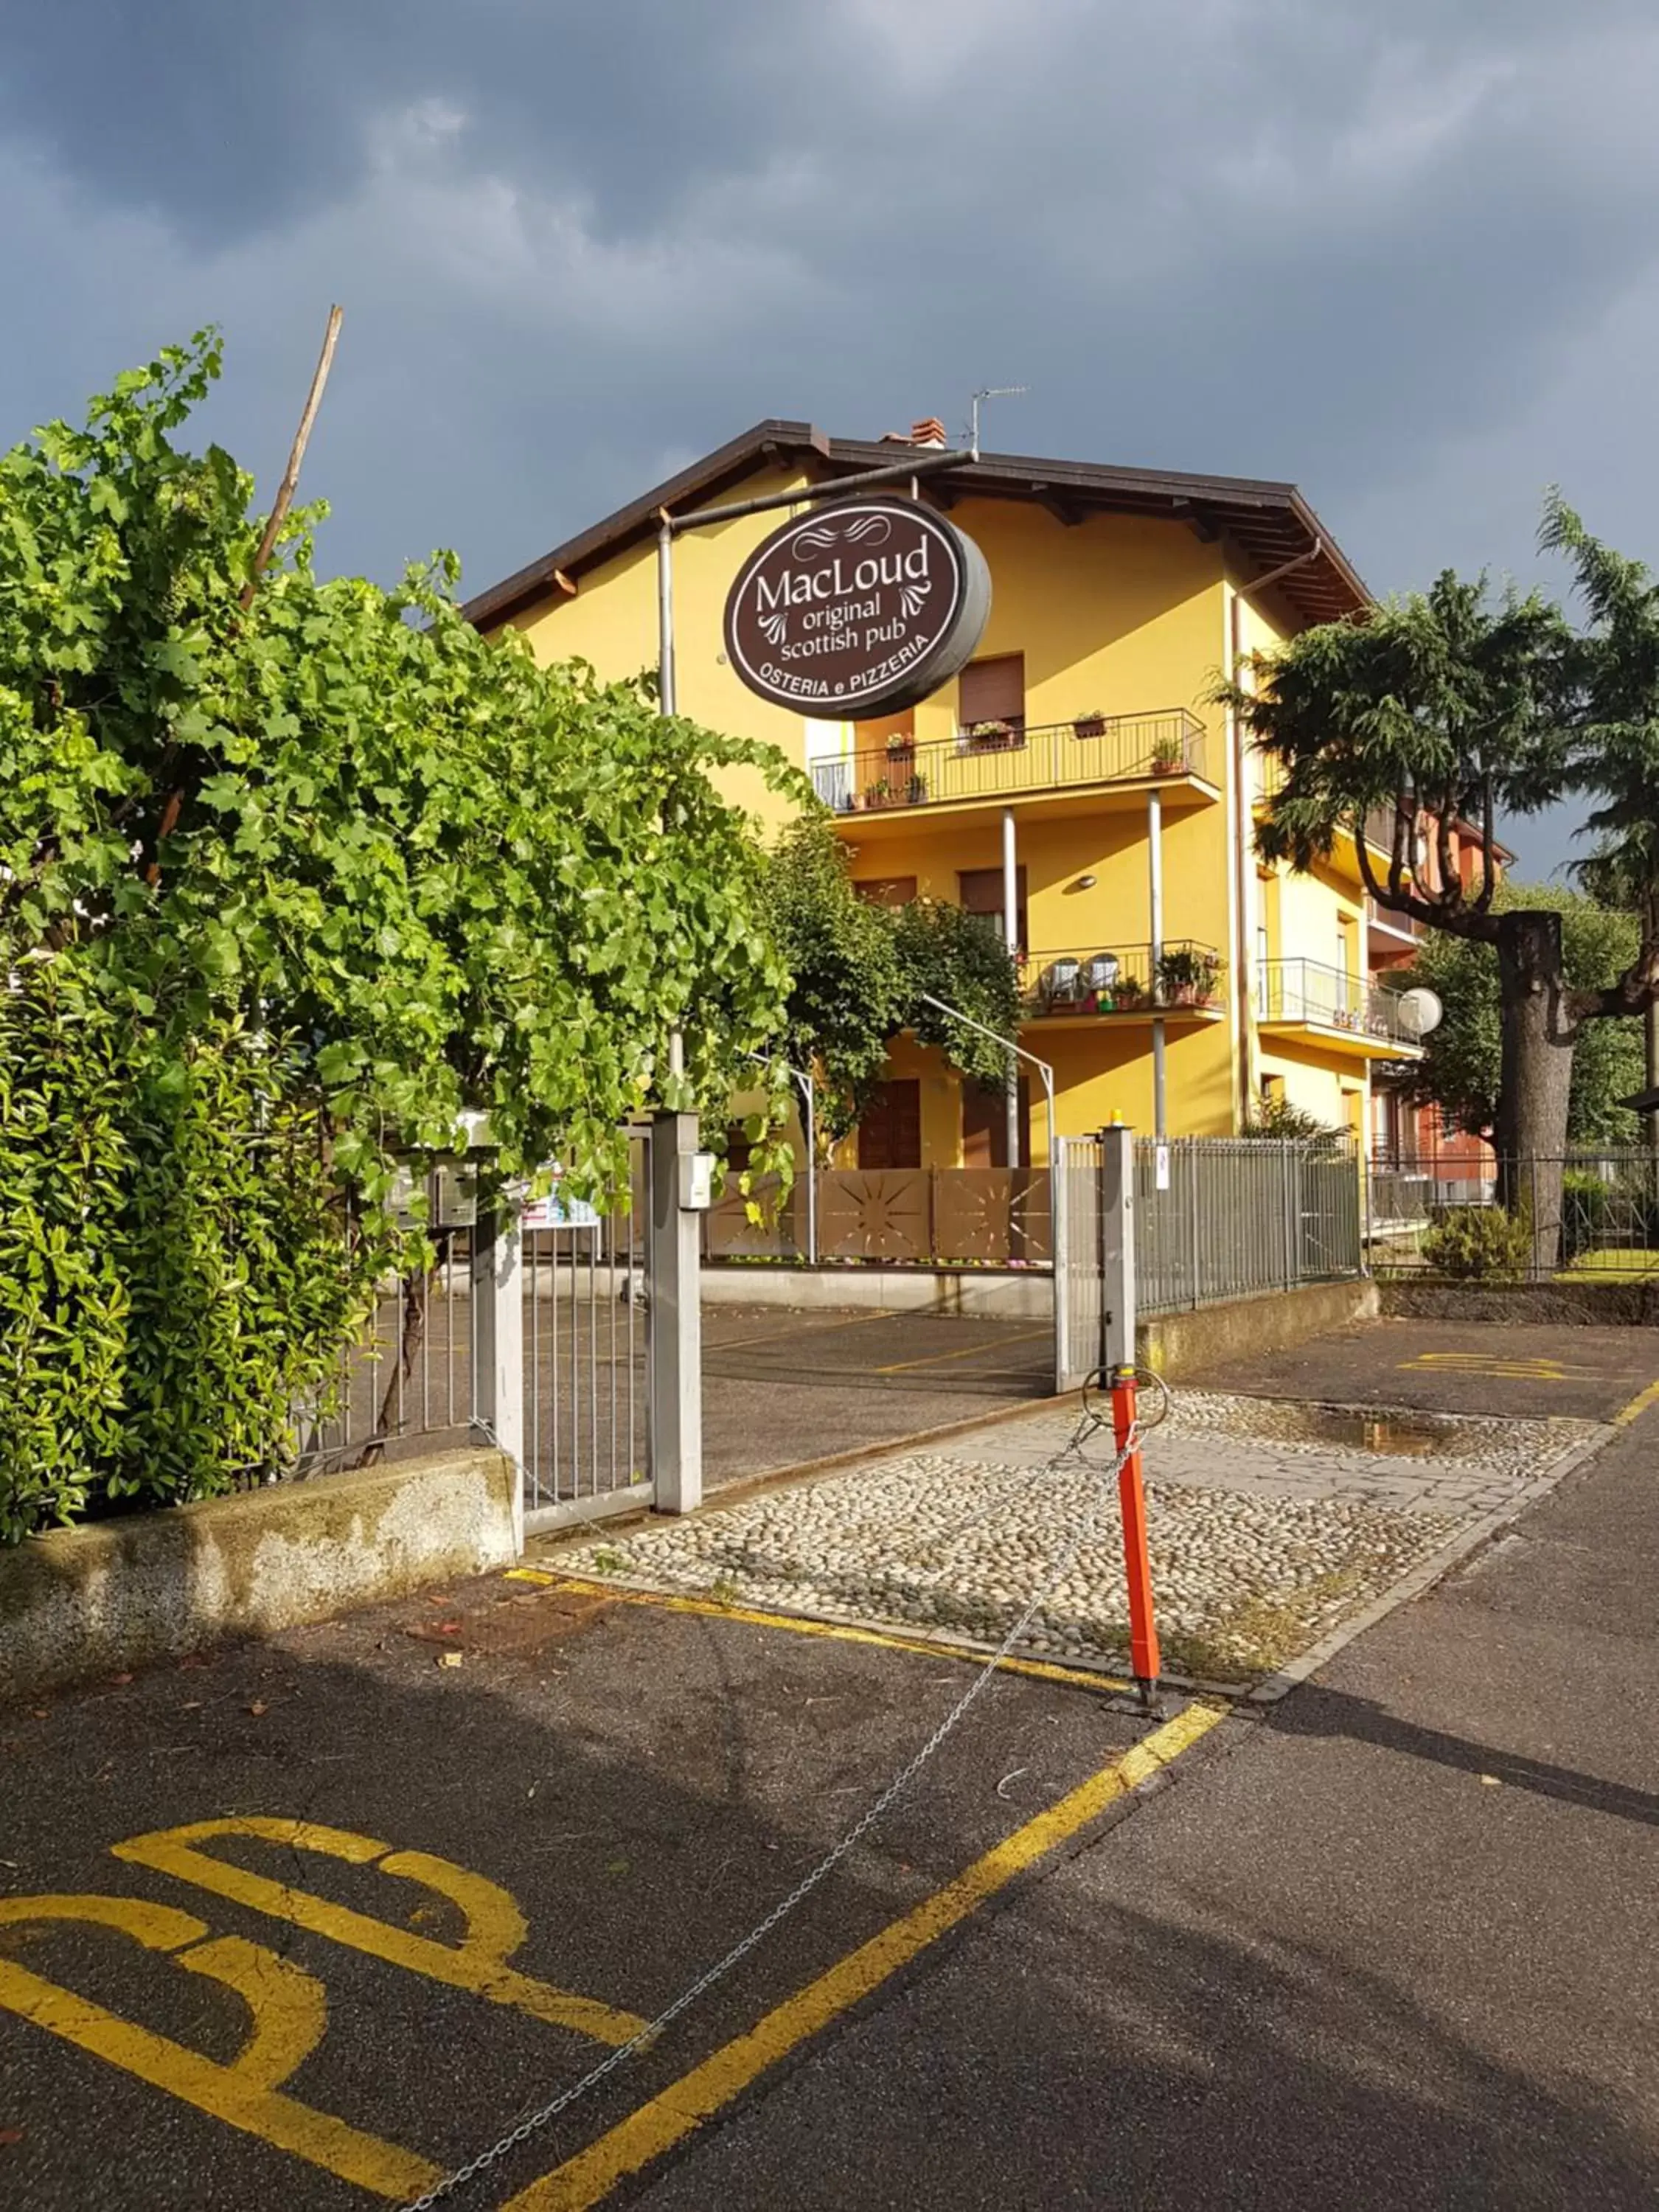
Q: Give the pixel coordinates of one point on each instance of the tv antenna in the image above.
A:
(990, 391)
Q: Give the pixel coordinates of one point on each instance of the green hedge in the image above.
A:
(175, 1266)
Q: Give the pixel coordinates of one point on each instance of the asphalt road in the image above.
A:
(645, 1784)
(1588, 1374)
(1396, 1949)
(1390, 1942)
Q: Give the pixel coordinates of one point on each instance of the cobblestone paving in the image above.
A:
(1262, 1537)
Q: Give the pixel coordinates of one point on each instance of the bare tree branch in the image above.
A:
(285, 490)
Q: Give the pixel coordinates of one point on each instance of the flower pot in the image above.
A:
(1088, 725)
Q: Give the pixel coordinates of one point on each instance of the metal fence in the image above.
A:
(891, 1218)
(418, 1376)
(1219, 1217)
(994, 760)
(1583, 1216)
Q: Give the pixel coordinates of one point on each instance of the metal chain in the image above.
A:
(533, 2122)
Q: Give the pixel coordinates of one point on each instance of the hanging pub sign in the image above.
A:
(854, 611)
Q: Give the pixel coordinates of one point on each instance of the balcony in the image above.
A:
(1393, 939)
(1327, 1006)
(993, 763)
(1126, 984)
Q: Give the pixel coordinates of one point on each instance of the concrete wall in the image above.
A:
(995, 1294)
(78, 1602)
(1182, 1345)
(1178, 1344)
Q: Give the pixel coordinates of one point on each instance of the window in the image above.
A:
(890, 1135)
(884, 890)
(991, 692)
(979, 891)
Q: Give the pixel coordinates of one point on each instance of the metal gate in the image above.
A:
(1079, 1321)
(587, 1428)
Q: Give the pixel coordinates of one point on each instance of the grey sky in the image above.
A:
(1404, 255)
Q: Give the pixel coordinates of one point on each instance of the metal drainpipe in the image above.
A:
(1155, 956)
(1010, 938)
(1244, 978)
(665, 614)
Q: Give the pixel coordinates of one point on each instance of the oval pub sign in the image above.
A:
(855, 611)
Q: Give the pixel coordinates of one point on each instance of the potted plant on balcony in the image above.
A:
(990, 737)
(916, 794)
(1187, 976)
(901, 746)
(879, 793)
(1090, 723)
(1169, 758)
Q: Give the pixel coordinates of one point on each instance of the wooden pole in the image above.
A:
(284, 498)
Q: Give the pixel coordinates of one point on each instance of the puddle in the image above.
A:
(1400, 1435)
(1391, 1431)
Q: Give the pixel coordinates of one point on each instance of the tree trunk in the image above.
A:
(1539, 1030)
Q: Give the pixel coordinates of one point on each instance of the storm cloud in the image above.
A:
(1403, 256)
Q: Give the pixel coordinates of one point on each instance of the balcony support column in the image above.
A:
(1155, 899)
(1010, 938)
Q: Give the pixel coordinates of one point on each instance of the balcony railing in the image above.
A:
(1308, 991)
(1186, 978)
(1002, 760)
(1378, 917)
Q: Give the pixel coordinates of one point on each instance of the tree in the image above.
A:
(454, 880)
(1461, 1073)
(323, 853)
(862, 973)
(1443, 709)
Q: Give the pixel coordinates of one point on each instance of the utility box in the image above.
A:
(456, 1196)
(696, 1178)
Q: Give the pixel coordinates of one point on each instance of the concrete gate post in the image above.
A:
(497, 1308)
(674, 1322)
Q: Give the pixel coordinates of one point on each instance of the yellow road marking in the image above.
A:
(1516, 1368)
(495, 1926)
(797, 1625)
(684, 2107)
(967, 1351)
(289, 2011)
(1637, 1405)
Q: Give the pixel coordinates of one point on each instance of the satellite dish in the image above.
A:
(1421, 1012)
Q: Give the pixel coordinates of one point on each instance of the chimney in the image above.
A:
(929, 432)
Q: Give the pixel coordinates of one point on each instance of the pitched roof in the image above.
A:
(1268, 523)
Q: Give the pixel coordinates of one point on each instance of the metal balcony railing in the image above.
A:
(1127, 980)
(1004, 760)
(1310, 991)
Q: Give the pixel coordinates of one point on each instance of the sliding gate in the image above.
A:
(1079, 1320)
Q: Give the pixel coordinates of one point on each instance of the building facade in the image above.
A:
(1076, 783)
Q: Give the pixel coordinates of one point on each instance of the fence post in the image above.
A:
(497, 1308)
(674, 1321)
(1117, 1323)
(1287, 1203)
(1117, 1246)
(1059, 1245)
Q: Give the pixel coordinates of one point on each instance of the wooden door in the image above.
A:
(890, 1135)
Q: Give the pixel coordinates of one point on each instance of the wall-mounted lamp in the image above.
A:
(1084, 883)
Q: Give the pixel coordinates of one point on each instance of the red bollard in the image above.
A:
(1137, 1564)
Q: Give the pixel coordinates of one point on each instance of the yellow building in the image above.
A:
(1074, 782)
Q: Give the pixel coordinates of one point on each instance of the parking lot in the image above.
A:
(781, 1387)
(438, 1859)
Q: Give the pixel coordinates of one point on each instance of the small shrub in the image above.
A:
(1478, 1243)
(175, 1270)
